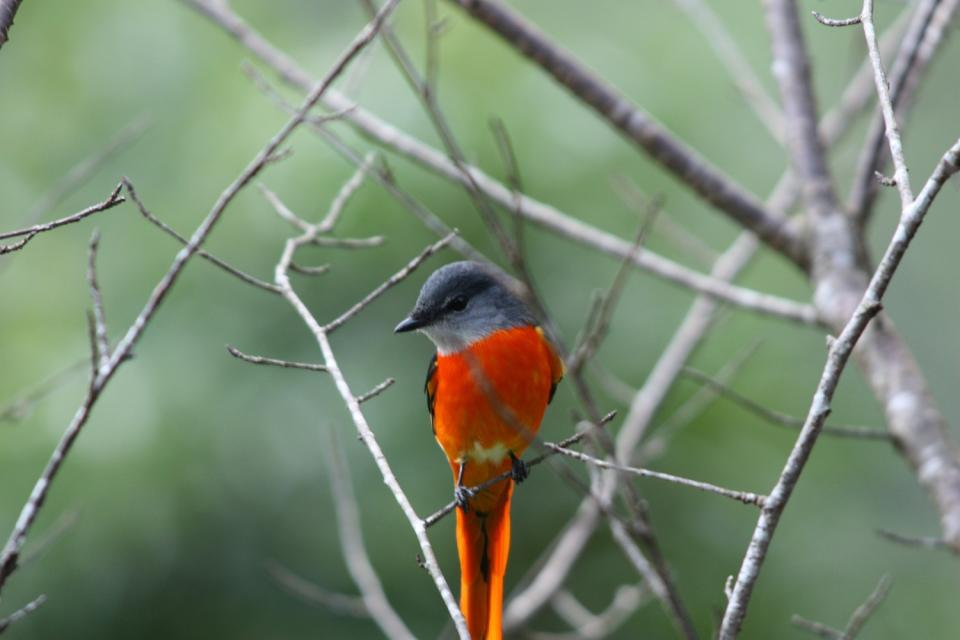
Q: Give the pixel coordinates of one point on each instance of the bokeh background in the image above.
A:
(197, 470)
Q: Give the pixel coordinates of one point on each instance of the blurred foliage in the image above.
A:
(196, 469)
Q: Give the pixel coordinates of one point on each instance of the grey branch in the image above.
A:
(900, 177)
(308, 591)
(780, 418)
(530, 209)
(739, 69)
(350, 399)
(835, 22)
(858, 618)
(377, 390)
(837, 358)
(924, 542)
(287, 364)
(12, 549)
(31, 232)
(354, 552)
(924, 34)
(79, 174)
(389, 283)
(740, 496)
(685, 164)
(203, 253)
(22, 613)
(101, 354)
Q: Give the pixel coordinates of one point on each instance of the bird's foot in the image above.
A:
(519, 470)
(461, 495)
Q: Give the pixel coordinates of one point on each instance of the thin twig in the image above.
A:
(741, 496)
(901, 176)
(923, 36)
(354, 552)
(359, 420)
(862, 613)
(287, 364)
(837, 358)
(530, 209)
(389, 283)
(818, 629)
(924, 542)
(83, 171)
(857, 619)
(353, 606)
(101, 342)
(377, 390)
(708, 181)
(22, 613)
(31, 232)
(19, 407)
(836, 22)
(203, 253)
(12, 548)
(738, 68)
(780, 418)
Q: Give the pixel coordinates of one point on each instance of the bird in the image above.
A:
(488, 386)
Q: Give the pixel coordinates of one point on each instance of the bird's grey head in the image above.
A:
(465, 301)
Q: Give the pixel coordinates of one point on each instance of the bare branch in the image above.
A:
(900, 177)
(924, 34)
(20, 406)
(626, 600)
(837, 358)
(310, 592)
(203, 253)
(306, 270)
(780, 418)
(354, 552)
(738, 69)
(31, 232)
(350, 399)
(740, 496)
(857, 620)
(865, 610)
(101, 342)
(24, 611)
(685, 164)
(389, 283)
(11, 550)
(287, 364)
(917, 541)
(533, 210)
(812, 626)
(84, 170)
(377, 390)
(833, 22)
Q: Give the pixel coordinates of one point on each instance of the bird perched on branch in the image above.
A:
(487, 389)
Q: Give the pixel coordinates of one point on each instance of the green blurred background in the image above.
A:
(196, 470)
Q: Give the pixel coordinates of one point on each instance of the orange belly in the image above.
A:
(490, 399)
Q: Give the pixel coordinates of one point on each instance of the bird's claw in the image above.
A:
(519, 469)
(461, 495)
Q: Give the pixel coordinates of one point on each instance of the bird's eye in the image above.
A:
(456, 303)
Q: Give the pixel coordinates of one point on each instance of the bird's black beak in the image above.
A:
(410, 323)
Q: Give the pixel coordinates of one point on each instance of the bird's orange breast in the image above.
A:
(491, 397)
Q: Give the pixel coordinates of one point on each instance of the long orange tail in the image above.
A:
(483, 541)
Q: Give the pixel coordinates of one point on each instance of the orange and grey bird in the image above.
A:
(487, 389)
